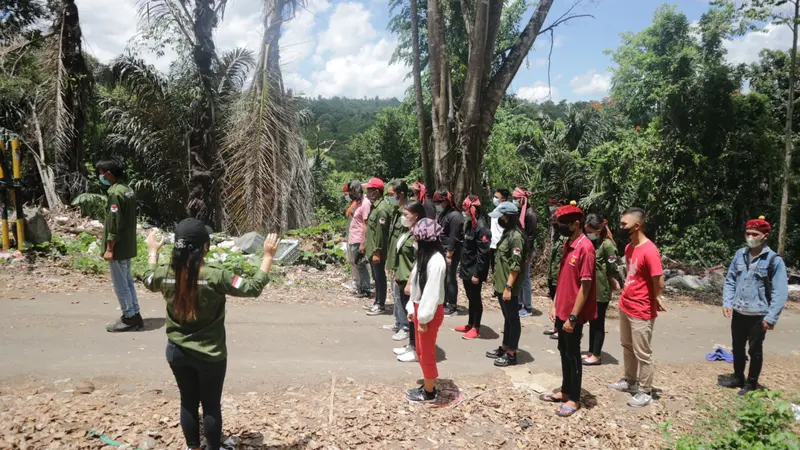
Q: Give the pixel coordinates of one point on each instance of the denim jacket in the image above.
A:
(745, 290)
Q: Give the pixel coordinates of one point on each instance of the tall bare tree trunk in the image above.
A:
(460, 138)
(424, 150)
(787, 170)
(204, 170)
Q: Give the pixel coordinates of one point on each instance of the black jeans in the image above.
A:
(404, 301)
(473, 292)
(451, 280)
(569, 345)
(512, 328)
(748, 330)
(379, 275)
(200, 382)
(597, 330)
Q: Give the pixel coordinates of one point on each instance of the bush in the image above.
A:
(760, 421)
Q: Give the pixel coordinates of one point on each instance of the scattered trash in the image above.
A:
(525, 424)
(794, 288)
(13, 254)
(720, 354)
(250, 243)
(796, 411)
(689, 283)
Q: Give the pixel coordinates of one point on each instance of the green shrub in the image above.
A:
(92, 205)
(90, 264)
(759, 421)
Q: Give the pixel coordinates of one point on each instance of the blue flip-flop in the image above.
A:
(566, 411)
(549, 398)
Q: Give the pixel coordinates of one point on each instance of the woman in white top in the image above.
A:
(425, 308)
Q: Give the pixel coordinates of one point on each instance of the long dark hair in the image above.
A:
(425, 251)
(186, 263)
(597, 222)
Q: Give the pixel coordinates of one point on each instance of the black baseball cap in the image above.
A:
(192, 233)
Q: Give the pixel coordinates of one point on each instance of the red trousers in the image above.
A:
(426, 343)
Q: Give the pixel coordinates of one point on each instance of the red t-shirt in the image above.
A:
(638, 299)
(577, 263)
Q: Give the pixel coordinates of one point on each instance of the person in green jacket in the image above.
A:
(377, 242)
(509, 259)
(413, 212)
(195, 292)
(397, 196)
(119, 244)
(606, 279)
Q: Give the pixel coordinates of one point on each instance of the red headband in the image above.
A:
(422, 193)
(438, 198)
(521, 195)
(470, 206)
(760, 225)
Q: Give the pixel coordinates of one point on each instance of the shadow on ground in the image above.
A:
(153, 323)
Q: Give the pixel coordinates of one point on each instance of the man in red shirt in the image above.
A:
(638, 307)
(575, 304)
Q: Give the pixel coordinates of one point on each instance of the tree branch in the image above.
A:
(563, 20)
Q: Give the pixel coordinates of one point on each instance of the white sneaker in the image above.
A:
(349, 286)
(401, 335)
(409, 356)
(640, 400)
(623, 386)
(402, 350)
(390, 327)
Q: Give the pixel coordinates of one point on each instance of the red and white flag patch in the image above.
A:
(517, 251)
(612, 259)
(114, 208)
(485, 239)
(382, 220)
(237, 282)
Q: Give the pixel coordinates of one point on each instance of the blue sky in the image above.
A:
(342, 47)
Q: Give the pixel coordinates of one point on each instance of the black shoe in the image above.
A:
(450, 311)
(732, 382)
(376, 310)
(749, 387)
(420, 395)
(496, 353)
(363, 295)
(136, 321)
(506, 360)
(121, 325)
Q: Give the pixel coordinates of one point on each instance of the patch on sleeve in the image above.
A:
(382, 220)
(237, 282)
(485, 239)
(612, 259)
(517, 251)
(573, 260)
(114, 208)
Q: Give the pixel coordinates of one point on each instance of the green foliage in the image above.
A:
(321, 244)
(760, 421)
(92, 205)
(90, 264)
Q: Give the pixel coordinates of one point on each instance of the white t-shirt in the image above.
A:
(497, 233)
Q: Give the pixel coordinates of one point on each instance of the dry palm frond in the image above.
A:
(55, 115)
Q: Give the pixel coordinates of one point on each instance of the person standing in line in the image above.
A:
(554, 258)
(754, 296)
(528, 221)
(500, 196)
(406, 256)
(357, 214)
(575, 304)
(474, 264)
(397, 196)
(195, 292)
(509, 258)
(119, 244)
(449, 218)
(607, 279)
(426, 308)
(639, 305)
(377, 242)
(421, 194)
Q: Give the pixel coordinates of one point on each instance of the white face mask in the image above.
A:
(405, 222)
(593, 236)
(754, 242)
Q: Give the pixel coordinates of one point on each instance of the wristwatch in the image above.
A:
(509, 287)
(573, 318)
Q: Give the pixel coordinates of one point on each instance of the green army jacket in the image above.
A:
(120, 225)
(509, 257)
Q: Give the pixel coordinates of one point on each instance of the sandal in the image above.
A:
(549, 332)
(549, 398)
(566, 411)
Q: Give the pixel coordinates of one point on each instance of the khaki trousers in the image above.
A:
(635, 336)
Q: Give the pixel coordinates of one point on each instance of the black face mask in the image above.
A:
(502, 223)
(624, 234)
(563, 229)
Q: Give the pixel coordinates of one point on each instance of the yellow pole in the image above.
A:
(17, 169)
(6, 240)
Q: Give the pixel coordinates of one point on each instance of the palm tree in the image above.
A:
(268, 181)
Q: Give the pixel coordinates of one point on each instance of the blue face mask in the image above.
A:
(496, 201)
(103, 180)
(392, 200)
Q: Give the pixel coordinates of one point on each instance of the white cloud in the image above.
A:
(538, 92)
(348, 29)
(106, 32)
(746, 49)
(591, 83)
(298, 39)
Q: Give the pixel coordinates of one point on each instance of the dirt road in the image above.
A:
(275, 345)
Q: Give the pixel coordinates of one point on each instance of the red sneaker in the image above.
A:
(471, 334)
(463, 328)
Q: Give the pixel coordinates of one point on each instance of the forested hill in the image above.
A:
(338, 118)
